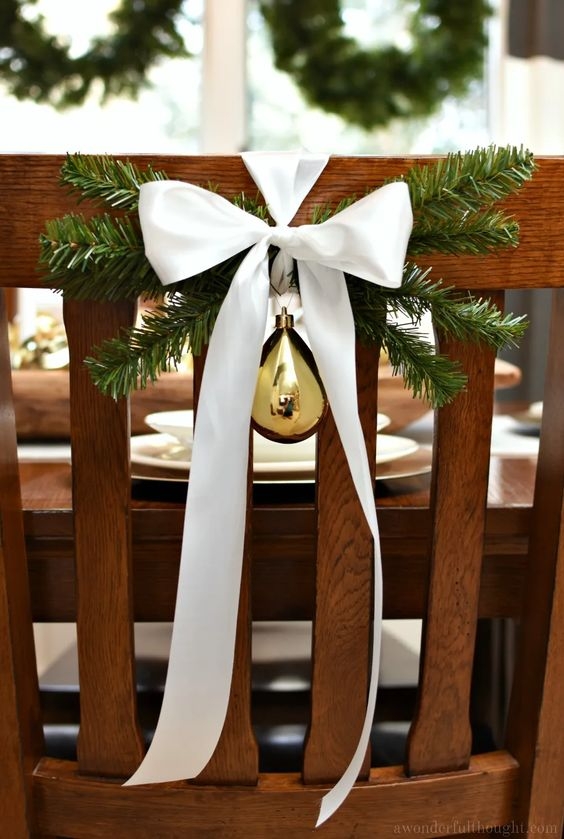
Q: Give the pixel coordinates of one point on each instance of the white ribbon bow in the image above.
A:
(187, 230)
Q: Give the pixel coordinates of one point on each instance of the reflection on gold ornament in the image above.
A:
(290, 400)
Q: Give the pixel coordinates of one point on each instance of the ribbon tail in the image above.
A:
(202, 649)
(329, 321)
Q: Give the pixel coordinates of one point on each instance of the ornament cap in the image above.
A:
(284, 320)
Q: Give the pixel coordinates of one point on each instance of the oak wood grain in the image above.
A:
(535, 732)
(109, 741)
(10, 303)
(281, 806)
(342, 623)
(458, 502)
(21, 735)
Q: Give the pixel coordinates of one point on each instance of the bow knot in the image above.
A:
(284, 237)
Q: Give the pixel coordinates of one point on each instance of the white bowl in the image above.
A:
(180, 425)
(177, 424)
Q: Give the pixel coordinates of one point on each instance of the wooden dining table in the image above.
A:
(283, 542)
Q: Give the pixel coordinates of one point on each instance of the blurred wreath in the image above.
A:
(39, 66)
(366, 87)
(370, 87)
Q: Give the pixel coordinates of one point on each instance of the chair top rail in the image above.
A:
(535, 263)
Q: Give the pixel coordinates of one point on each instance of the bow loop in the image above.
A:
(187, 229)
(367, 240)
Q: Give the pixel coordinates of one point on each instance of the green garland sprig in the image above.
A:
(454, 212)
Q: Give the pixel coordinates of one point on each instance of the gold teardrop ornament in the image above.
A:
(290, 400)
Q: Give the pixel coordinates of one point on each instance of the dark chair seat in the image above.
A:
(281, 705)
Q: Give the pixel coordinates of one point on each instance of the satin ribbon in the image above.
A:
(186, 230)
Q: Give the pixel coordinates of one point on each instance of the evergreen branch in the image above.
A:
(102, 178)
(106, 180)
(253, 205)
(457, 315)
(460, 316)
(427, 374)
(478, 320)
(137, 357)
(369, 309)
(451, 200)
(322, 212)
(101, 258)
(472, 233)
(467, 181)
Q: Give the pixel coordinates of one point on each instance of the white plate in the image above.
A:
(275, 461)
(410, 466)
(179, 424)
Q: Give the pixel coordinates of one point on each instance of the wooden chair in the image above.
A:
(104, 570)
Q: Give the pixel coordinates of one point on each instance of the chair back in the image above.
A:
(111, 561)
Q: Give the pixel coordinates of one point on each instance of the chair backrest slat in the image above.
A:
(541, 625)
(547, 805)
(21, 734)
(110, 741)
(440, 738)
(342, 622)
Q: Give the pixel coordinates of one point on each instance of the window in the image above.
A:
(168, 116)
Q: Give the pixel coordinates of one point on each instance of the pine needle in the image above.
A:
(104, 179)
